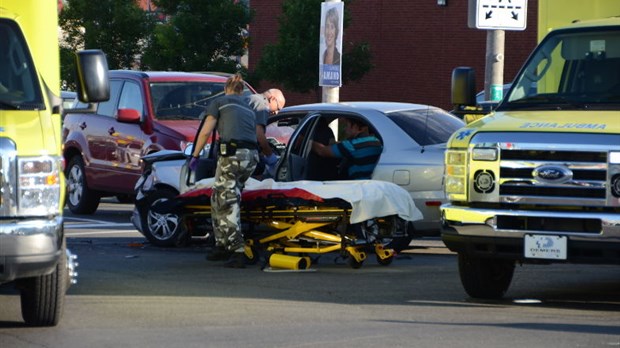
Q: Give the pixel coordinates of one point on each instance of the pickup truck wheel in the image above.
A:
(43, 297)
(163, 229)
(485, 278)
(80, 199)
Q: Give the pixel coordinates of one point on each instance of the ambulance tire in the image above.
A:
(43, 297)
(485, 278)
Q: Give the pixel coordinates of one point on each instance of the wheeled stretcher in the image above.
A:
(286, 223)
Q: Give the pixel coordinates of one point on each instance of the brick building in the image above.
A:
(415, 45)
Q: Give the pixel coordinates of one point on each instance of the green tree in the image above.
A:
(293, 60)
(198, 35)
(117, 27)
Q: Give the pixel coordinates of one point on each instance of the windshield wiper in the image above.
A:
(548, 101)
(177, 117)
(8, 106)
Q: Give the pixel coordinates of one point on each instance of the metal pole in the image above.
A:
(332, 94)
(494, 70)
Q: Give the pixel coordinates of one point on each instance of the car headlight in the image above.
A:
(614, 158)
(39, 185)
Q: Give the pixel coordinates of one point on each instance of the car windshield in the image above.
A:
(427, 126)
(183, 100)
(570, 70)
(19, 88)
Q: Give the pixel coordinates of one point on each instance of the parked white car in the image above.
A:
(413, 137)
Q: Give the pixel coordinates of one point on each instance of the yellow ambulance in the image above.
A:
(538, 179)
(33, 250)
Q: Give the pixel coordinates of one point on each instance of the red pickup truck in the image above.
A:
(147, 112)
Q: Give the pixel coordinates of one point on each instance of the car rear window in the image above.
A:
(427, 126)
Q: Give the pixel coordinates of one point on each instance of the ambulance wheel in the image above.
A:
(485, 278)
(386, 261)
(43, 297)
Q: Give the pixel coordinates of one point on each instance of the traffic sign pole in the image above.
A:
(496, 16)
(494, 68)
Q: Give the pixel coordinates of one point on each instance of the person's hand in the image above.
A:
(271, 160)
(271, 170)
(193, 163)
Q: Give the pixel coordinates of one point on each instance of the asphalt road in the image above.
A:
(132, 294)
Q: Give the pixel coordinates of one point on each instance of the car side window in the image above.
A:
(131, 97)
(107, 108)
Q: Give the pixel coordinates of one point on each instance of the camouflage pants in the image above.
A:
(230, 176)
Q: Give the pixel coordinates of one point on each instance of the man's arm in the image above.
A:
(205, 132)
(262, 140)
(322, 150)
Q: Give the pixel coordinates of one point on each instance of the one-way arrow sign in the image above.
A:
(498, 14)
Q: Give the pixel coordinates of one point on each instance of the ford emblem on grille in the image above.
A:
(552, 174)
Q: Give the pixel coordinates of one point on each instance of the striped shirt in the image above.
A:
(360, 156)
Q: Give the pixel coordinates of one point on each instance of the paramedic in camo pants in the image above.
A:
(238, 156)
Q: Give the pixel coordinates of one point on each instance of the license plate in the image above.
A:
(545, 247)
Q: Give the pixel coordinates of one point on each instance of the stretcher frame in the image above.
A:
(288, 230)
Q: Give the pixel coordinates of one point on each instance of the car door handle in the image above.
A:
(83, 125)
(111, 131)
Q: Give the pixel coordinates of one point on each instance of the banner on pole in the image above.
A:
(330, 52)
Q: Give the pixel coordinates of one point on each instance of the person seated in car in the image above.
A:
(359, 153)
(322, 168)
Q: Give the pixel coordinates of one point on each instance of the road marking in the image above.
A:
(100, 224)
(82, 219)
(71, 234)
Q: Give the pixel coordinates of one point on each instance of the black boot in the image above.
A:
(218, 254)
(236, 260)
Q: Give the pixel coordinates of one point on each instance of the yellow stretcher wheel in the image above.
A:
(251, 255)
(384, 256)
(355, 257)
(385, 261)
(351, 261)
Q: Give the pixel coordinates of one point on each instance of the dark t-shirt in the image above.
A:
(236, 119)
(260, 104)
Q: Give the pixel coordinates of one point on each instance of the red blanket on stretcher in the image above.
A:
(251, 195)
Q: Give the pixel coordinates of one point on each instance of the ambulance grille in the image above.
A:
(546, 169)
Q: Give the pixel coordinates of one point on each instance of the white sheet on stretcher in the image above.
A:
(368, 198)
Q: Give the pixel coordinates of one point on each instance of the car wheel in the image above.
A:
(402, 233)
(162, 229)
(80, 199)
(43, 297)
(485, 278)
